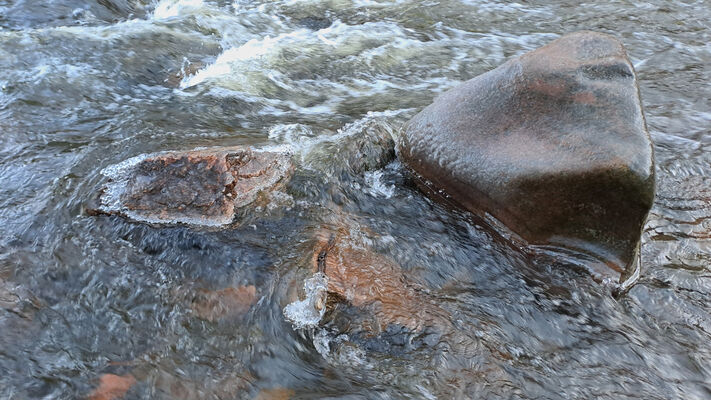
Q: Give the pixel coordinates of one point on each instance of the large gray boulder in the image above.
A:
(553, 144)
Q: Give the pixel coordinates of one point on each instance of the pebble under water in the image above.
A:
(180, 312)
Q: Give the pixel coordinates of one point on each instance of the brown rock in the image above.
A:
(201, 187)
(552, 143)
(112, 387)
(275, 394)
(226, 303)
(374, 282)
(228, 386)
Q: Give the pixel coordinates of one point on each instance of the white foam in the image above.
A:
(119, 175)
(260, 66)
(339, 349)
(232, 57)
(322, 343)
(309, 311)
(173, 8)
(376, 187)
(300, 140)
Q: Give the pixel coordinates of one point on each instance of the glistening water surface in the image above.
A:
(87, 84)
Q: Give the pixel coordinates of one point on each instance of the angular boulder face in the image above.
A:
(553, 144)
(201, 187)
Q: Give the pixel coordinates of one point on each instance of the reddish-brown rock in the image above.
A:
(201, 187)
(275, 394)
(552, 143)
(375, 283)
(231, 302)
(112, 387)
(221, 385)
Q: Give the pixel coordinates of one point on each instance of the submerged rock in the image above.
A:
(228, 303)
(201, 187)
(370, 281)
(275, 394)
(18, 300)
(112, 387)
(553, 144)
(376, 291)
(364, 145)
(314, 23)
(175, 384)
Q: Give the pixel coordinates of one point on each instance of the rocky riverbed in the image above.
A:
(401, 295)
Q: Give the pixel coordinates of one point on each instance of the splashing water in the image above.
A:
(307, 313)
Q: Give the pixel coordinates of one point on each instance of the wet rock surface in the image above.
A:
(17, 300)
(374, 308)
(112, 387)
(91, 93)
(228, 303)
(201, 187)
(552, 143)
(369, 281)
(275, 394)
(371, 148)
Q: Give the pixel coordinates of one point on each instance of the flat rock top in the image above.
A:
(200, 187)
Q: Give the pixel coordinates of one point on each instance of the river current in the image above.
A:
(88, 84)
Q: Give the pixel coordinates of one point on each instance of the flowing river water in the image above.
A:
(87, 84)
